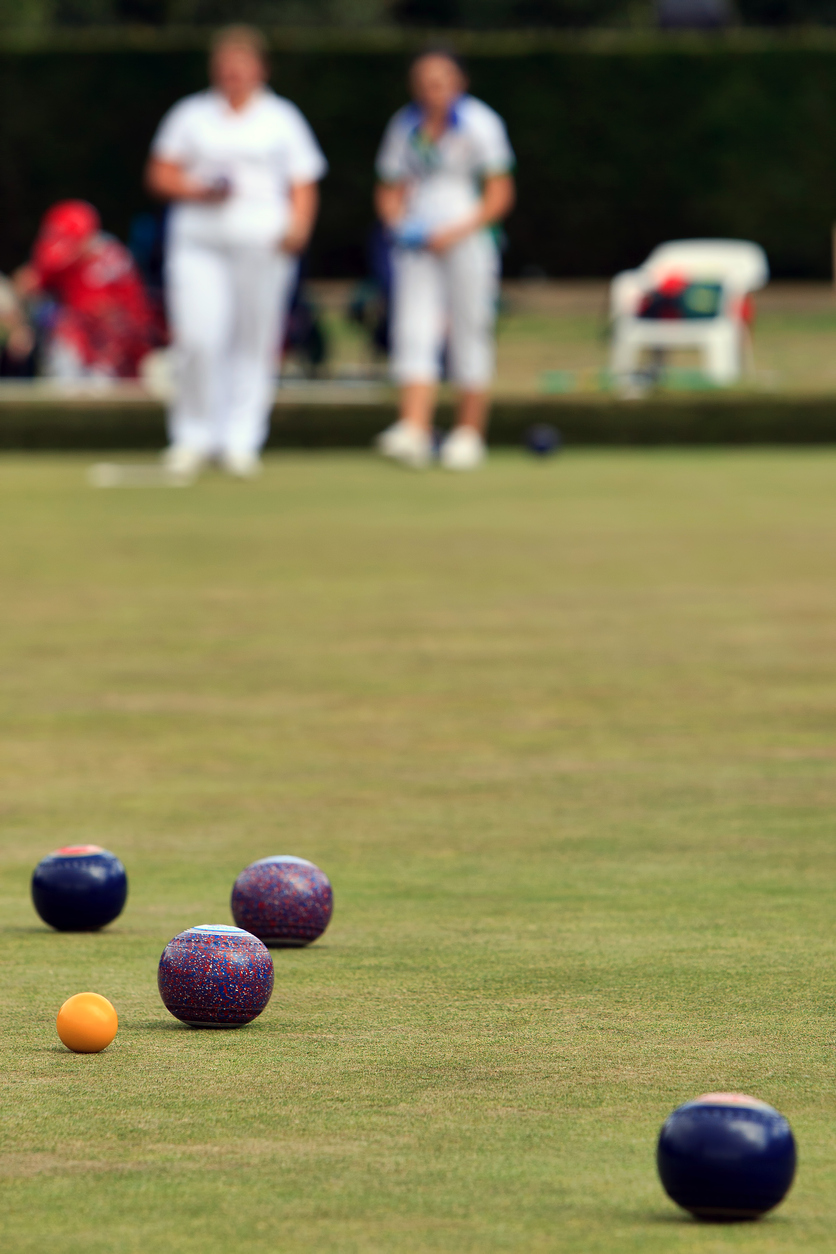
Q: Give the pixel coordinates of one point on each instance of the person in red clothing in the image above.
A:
(104, 323)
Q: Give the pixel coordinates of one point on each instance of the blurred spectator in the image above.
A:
(17, 339)
(304, 335)
(146, 241)
(103, 324)
(371, 300)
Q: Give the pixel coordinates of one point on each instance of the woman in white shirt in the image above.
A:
(445, 178)
(241, 165)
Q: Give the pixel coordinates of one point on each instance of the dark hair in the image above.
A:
(439, 50)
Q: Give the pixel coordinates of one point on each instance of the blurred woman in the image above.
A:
(17, 338)
(241, 165)
(445, 179)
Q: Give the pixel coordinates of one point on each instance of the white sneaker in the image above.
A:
(183, 463)
(464, 449)
(406, 443)
(241, 465)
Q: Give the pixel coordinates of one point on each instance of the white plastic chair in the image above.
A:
(739, 266)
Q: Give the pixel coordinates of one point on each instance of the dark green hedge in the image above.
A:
(619, 146)
(656, 421)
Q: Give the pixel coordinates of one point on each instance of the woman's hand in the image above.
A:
(169, 181)
(295, 238)
(390, 203)
(304, 206)
(498, 195)
(25, 281)
(21, 341)
(216, 193)
(440, 241)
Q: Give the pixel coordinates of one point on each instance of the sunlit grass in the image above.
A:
(561, 734)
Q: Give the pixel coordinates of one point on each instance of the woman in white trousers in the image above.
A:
(241, 166)
(445, 179)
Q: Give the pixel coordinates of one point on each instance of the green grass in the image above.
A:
(791, 352)
(562, 326)
(562, 736)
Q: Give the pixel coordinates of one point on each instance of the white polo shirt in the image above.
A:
(263, 150)
(443, 178)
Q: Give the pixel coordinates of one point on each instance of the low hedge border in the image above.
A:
(53, 427)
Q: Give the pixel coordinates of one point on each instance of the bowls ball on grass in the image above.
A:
(87, 1023)
(726, 1156)
(214, 976)
(79, 888)
(286, 901)
(543, 439)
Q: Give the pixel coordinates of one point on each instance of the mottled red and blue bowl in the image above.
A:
(214, 976)
(285, 901)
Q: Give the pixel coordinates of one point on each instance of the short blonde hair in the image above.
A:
(249, 37)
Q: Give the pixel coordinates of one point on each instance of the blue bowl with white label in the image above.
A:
(79, 888)
(726, 1156)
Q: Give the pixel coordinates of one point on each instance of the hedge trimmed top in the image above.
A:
(408, 40)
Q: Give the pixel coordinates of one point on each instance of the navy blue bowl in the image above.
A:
(79, 888)
(284, 900)
(726, 1156)
(543, 439)
(214, 976)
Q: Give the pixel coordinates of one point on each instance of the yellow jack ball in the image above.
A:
(87, 1023)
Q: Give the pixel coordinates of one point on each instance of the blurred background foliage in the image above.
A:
(625, 134)
(45, 15)
(617, 147)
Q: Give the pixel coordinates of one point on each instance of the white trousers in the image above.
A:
(449, 298)
(226, 310)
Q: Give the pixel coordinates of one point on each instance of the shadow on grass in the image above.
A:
(65, 1052)
(675, 1218)
(679, 1218)
(299, 949)
(175, 1025)
(35, 930)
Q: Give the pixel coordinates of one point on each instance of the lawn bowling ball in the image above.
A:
(543, 439)
(286, 901)
(214, 976)
(725, 1156)
(87, 1023)
(79, 888)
